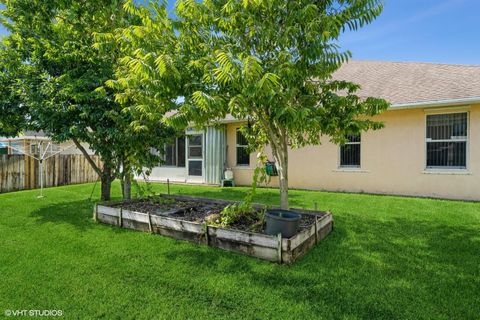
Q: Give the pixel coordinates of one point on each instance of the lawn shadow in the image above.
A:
(415, 264)
(76, 213)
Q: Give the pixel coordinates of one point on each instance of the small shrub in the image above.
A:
(144, 190)
(244, 213)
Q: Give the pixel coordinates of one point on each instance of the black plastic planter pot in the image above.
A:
(282, 221)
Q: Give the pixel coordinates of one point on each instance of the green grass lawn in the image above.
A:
(387, 258)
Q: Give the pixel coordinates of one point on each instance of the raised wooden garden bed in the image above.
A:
(263, 246)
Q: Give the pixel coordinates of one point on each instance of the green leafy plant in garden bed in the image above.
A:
(158, 199)
(244, 212)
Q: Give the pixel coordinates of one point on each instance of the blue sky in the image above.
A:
(445, 31)
(421, 30)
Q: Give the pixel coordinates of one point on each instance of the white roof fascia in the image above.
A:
(435, 104)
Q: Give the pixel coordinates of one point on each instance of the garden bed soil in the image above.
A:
(196, 211)
(187, 218)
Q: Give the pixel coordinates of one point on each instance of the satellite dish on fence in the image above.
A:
(43, 153)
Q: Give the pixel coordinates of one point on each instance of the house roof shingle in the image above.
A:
(403, 83)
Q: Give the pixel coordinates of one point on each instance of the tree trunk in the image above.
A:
(278, 138)
(105, 174)
(106, 179)
(126, 180)
(127, 186)
(106, 187)
(283, 179)
(280, 153)
(87, 156)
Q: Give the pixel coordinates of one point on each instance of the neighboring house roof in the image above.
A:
(36, 134)
(28, 135)
(22, 138)
(414, 83)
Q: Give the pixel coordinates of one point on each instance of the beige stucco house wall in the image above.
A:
(393, 160)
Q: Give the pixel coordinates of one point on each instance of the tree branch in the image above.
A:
(87, 156)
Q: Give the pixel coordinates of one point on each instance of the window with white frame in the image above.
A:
(243, 156)
(350, 152)
(447, 138)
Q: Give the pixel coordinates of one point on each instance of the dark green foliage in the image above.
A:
(13, 114)
(57, 82)
(271, 62)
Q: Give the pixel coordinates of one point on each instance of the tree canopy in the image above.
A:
(271, 62)
(66, 96)
(115, 73)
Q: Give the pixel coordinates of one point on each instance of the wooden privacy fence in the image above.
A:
(19, 172)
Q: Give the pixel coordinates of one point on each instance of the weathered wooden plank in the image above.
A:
(198, 238)
(135, 216)
(1, 173)
(325, 230)
(26, 177)
(114, 212)
(50, 175)
(61, 178)
(19, 173)
(4, 173)
(323, 221)
(108, 219)
(279, 248)
(244, 237)
(178, 225)
(67, 170)
(9, 173)
(250, 249)
(135, 225)
(10, 168)
(3, 170)
(300, 237)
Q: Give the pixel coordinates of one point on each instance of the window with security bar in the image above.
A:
(447, 138)
(350, 152)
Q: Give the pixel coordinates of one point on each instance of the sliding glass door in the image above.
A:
(195, 156)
